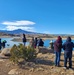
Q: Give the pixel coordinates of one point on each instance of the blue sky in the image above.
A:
(44, 16)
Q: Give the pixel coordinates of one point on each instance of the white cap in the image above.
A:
(51, 41)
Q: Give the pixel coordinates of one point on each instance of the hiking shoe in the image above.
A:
(55, 65)
(58, 65)
(65, 67)
(70, 69)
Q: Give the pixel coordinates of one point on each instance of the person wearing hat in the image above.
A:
(57, 49)
(51, 44)
(4, 43)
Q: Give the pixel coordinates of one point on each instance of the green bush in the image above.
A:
(20, 51)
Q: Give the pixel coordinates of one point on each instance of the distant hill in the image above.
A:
(18, 31)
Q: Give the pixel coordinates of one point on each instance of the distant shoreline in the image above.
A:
(8, 36)
(19, 39)
(28, 39)
(5, 36)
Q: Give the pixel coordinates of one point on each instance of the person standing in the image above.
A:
(57, 49)
(24, 39)
(51, 44)
(0, 44)
(32, 42)
(4, 43)
(68, 47)
(40, 43)
(35, 42)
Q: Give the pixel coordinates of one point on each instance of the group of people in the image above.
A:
(58, 45)
(34, 42)
(67, 47)
(2, 44)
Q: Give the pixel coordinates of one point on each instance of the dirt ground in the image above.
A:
(44, 65)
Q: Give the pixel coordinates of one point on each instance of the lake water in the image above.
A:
(47, 42)
(11, 43)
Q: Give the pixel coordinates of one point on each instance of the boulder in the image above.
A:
(45, 50)
(3, 57)
(6, 51)
(13, 72)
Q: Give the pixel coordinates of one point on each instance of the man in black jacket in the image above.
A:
(24, 39)
(68, 47)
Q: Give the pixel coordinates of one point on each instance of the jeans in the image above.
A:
(57, 58)
(24, 43)
(68, 55)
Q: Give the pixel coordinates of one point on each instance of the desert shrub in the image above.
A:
(30, 53)
(20, 51)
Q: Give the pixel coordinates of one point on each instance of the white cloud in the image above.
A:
(16, 23)
(23, 28)
(23, 24)
(11, 28)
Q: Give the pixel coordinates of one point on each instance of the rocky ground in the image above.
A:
(43, 65)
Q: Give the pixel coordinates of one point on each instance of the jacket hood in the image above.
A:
(69, 39)
(59, 39)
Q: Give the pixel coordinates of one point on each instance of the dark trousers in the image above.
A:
(68, 55)
(0, 47)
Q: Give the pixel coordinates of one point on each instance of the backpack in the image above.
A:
(24, 39)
